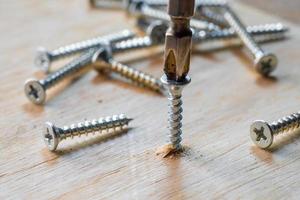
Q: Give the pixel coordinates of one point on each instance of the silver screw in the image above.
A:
(264, 62)
(142, 9)
(35, 90)
(129, 73)
(121, 4)
(174, 89)
(262, 133)
(266, 30)
(53, 135)
(155, 36)
(136, 76)
(44, 58)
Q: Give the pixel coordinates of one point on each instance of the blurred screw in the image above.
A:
(265, 63)
(142, 9)
(44, 58)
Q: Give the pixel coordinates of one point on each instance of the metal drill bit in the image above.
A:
(53, 134)
(44, 58)
(177, 63)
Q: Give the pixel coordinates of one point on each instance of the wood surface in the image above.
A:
(224, 97)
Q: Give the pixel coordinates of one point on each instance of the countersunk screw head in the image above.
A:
(266, 64)
(35, 91)
(261, 134)
(42, 59)
(157, 31)
(50, 137)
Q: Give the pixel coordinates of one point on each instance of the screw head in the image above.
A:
(42, 59)
(50, 137)
(266, 64)
(261, 134)
(35, 91)
(157, 31)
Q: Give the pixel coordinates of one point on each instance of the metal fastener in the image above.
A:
(265, 30)
(262, 133)
(53, 134)
(35, 90)
(177, 63)
(142, 9)
(264, 62)
(44, 58)
(138, 77)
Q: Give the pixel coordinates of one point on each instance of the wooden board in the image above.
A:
(224, 97)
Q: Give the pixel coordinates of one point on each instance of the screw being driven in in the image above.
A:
(177, 63)
(262, 133)
(44, 58)
(53, 134)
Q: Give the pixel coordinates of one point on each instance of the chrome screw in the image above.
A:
(155, 36)
(121, 4)
(266, 30)
(262, 133)
(129, 73)
(264, 62)
(53, 134)
(35, 90)
(142, 9)
(136, 76)
(44, 58)
(174, 89)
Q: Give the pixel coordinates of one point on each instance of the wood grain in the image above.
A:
(225, 96)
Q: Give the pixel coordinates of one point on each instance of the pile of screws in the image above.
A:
(212, 21)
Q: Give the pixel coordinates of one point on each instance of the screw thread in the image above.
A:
(114, 123)
(175, 117)
(286, 124)
(240, 29)
(258, 30)
(88, 44)
(71, 68)
(136, 76)
(211, 16)
(131, 44)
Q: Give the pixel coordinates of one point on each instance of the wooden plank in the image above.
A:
(225, 96)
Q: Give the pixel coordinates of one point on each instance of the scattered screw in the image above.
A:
(142, 9)
(134, 75)
(44, 58)
(266, 30)
(35, 90)
(53, 135)
(262, 133)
